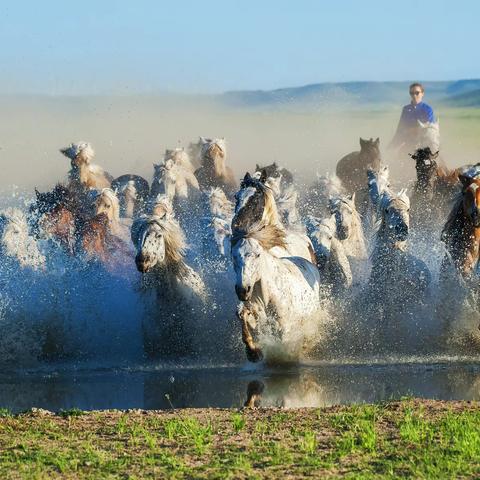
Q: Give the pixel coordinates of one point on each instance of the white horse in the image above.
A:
(160, 245)
(107, 202)
(180, 157)
(16, 243)
(428, 135)
(284, 289)
(332, 260)
(315, 201)
(221, 211)
(173, 180)
(255, 203)
(398, 281)
(349, 226)
(83, 171)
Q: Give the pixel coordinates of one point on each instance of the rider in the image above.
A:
(411, 113)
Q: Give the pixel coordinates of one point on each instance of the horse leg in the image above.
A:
(254, 354)
(254, 394)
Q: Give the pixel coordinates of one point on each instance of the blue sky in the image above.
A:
(67, 47)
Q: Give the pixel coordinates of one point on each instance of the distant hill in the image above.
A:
(468, 99)
(459, 92)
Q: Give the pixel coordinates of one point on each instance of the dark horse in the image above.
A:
(141, 193)
(273, 170)
(61, 214)
(435, 189)
(352, 170)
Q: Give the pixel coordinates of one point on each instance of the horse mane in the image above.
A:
(213, 155)
(175, 242)
(112, 197)
(268, 235)
(456, 214)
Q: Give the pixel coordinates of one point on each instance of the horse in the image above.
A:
(332, 260)
(255, 203)
(160, 250)
(83, 173)
(285, 289)
(173, 180)
(179, 157)
(315, 200)
(428, 135)
(461, 233)
(107, 202)
(398, 282)
(221, 210)
(352, 168)
(133, 192)
(60, 214)
(16, 243)
(213, 171)
(274, 171)
(349, 226)
(434, 190)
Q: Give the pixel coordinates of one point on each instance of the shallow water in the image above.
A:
(154, 387)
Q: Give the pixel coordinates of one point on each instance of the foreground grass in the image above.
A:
(416, 439)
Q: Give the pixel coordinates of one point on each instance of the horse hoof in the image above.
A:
(254, 354)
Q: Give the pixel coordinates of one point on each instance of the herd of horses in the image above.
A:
(289, 253)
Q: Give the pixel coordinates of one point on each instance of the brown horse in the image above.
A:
(352, 170)
(461, 233)
(98, 243)
(213, 171)
(435, 188)
(59, 214)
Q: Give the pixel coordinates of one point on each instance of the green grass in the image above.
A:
(407, 439)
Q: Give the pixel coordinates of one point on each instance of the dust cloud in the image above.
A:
(131, 133)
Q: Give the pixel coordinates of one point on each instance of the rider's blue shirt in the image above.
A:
(412, 113)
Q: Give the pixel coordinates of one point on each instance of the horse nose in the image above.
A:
(342, 233)
(243, 293)
(141, 263)
(402, 230)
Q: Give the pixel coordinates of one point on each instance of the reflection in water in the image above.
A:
(304, 386)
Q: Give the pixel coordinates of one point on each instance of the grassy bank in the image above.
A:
(416, 439)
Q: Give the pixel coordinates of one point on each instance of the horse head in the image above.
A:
(395, 216)
(107, 203)
(471, 199)
(425, 165)
(322, 234)
(370, 153)
(149, 242)
(428, 135)
(250, 200)
(344, 210)
(246, 255)
(80, 153)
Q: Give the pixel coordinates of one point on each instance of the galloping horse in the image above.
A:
(160, 245)
(332, 260)
(435, 188)
(398, 280)
(213, 171)
(461, 233)
(84, 173)
(60, 214)
(285, 289)
(349, 226)
(255, 203)
(133, 192)
(16, 242)
(352, 169)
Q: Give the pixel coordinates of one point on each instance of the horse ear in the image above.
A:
(377, 141)
(263, 176)
(247, 177)
(257, 167)
(465, 180)
(37, 193)
(352, 197)
(435, 155)
(362, 142)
